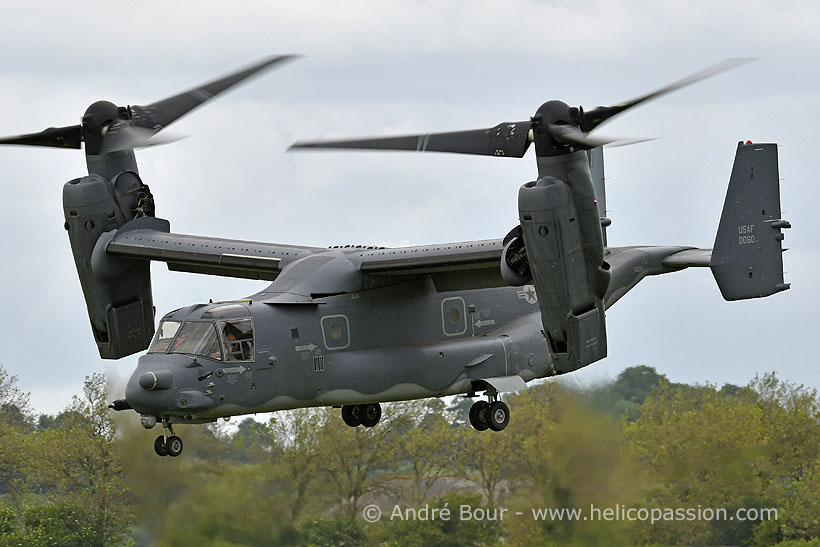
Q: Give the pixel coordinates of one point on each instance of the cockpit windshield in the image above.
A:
(192, 338)
(165, 334)
(197, 338)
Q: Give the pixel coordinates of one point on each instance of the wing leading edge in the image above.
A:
(149, 238)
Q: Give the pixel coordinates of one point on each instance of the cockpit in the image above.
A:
(221, 334)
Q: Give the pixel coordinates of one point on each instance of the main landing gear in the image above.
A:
(367, 415)
(492, 414)
(168, 445)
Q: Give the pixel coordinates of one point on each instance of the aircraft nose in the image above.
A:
(165, 385)
(150, 391)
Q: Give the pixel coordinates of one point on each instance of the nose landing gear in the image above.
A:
(166, 445)
(367, 415)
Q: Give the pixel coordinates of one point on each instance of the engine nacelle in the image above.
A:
(117, 293)
(569, 284)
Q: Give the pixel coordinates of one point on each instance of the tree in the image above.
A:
(428, 449)
(297, 436)
(80, 460)
(569, 457)
(715, 449)
(449, 531)
(636, 383)
(16, 423)
(356, 459)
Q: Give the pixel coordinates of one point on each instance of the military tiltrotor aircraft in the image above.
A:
(352, 327)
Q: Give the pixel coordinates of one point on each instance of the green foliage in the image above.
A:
(297, 452)
(231, 505)
(8, 520)
(333, 532)
(636, 383)
(87, 477)
(62, 524)
(356, 462)
(411, 527)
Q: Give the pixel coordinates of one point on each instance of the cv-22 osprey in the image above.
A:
(353, 327)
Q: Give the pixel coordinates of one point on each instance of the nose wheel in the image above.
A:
(168, 445)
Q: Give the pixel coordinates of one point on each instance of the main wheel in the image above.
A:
(352, 415)
(371, 414)
(160, 447)
(478, 414)
(498, 416)
(174, 446)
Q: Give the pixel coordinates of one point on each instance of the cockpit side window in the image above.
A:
(237, 337)
(165, 334)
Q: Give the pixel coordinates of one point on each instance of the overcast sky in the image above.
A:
(386, 67)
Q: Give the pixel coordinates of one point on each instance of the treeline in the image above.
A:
(89, 476)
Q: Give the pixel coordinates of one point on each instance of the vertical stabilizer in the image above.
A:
(747, 259)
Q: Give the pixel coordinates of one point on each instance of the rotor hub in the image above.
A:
(96, 120)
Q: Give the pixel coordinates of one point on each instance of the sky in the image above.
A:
(390, 67)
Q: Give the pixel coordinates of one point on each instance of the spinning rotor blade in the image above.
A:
(505, 139)
(124, 136)
(156, 116)
(556, 128)
(58, 137)
(108, 128)
(569, 134)
(572, 135)
(593, 118)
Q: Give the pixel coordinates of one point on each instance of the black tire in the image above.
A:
(371, 414)
(497, 416)
(352, 415)
(478, 413)
(174, 446)
(160, 447)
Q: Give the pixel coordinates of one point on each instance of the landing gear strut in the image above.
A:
(492, 414)
(166, 445)
(367, 415)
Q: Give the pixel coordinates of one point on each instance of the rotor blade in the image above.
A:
(505, 139)
(161, 114)
(569, 134)
(597, 116)
(616, 143)
(58, 137)
(124, 136)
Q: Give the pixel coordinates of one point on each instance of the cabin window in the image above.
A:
(237, 339)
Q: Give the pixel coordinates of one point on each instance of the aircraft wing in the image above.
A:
(452, 266)
(476, 264)
(149, 238)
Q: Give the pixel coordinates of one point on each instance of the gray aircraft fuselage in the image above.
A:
(402, 340)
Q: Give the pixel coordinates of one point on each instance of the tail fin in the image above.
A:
(747, 259)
